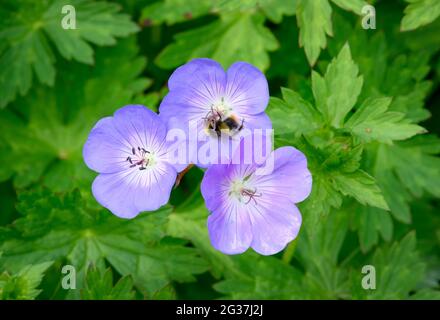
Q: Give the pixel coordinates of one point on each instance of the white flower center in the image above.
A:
(150, 159)
(236, 188)
(222, 107)
(244, 193)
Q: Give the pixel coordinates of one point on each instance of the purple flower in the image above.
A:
(221, 104)
(130, 153)
(252, 209)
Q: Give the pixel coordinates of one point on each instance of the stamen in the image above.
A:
(251, 194)
(142, 161)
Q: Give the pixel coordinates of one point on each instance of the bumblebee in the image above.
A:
(217, 122)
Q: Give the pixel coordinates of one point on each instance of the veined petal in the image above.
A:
(129, 192)
(275, 222)
(230, 230)
(194, 88)
(202, 74)
(141, 127)
(257, 121)
(289, 178)
(106, 149)
(214, 185)
(246, 88)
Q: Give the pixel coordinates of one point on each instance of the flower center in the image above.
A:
(244, 194)
(141, 158)
(222, 107)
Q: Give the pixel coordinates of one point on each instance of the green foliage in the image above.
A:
(337, 169)
(175, 11)
(99, 286)
(314, 20)
(372, 122)
(399, 269)
(54, 227)
(22, 285)
(225, 40)
(53, 137)
(419, 13)
(337, 92)
(359, 103)
(27, 29)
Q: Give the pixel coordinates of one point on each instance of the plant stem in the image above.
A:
(289, 252)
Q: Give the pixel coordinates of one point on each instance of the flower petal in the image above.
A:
(129, 192)
(246, 88)
(106, 150)
(229, 225)
(213, 185)
(257, 121)
(194, 87)
(275, 222)
(141, 126)
(289, 177)
(230, 230)
(202, 74)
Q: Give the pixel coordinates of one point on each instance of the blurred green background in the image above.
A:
(365, 114)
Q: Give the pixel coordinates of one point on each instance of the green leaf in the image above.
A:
(322, 198)
(372, 121)
(419, 13)
(416, 164)
(99, 286)
(319, 253)
(336, 93)
(387, 75)
(23, 285)
(314, 21)
(398, 270)
(59, 120)
(394, 192)
(261, 278)
(335, 169)
(276, 9)
(293, 114)
(175, 11)
(224, 40)
(273, 9)
(361, 186)
(351, 5)
(400, 179)
(426, 294)
(188, 221)
(64, 226)
(27, 28)
(370, 222)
